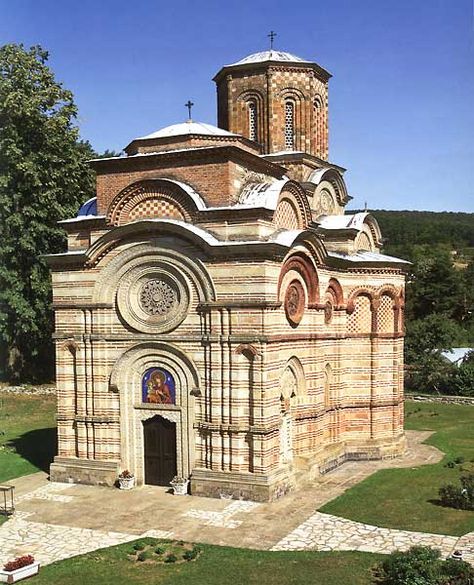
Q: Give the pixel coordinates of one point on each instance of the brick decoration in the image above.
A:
(155, 207)
(286, 216)
(386, 315)
(148, 200)
(270, 87)
(360, 320)
(364, 243)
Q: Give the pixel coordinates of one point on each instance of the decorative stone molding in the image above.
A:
(292, 210)
(304, 266)
(150, 198)
(149, 259)
(328, 312)
(295, 302)
(153, 300)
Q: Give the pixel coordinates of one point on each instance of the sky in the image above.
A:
(401, 101)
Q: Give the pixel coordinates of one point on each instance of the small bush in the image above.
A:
(139, 546)
(460, 496)
(142, 557)
(456, 572)
(459, 460)
(190, 555)
(422, 565)
(171, 559)
(417, 566)
(159, 550)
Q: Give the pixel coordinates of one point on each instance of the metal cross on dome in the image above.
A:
(271, 36)
(189, 104)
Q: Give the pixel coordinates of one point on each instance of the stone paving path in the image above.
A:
(56, 521)
(49, 543)
(324, 532)
(223, 518)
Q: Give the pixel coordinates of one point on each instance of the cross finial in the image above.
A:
(271, 36)
(189, 104)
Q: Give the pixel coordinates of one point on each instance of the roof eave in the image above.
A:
(273, 63)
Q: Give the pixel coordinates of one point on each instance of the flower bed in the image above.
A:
(20, 568)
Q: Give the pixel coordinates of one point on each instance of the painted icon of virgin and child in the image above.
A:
(158, 388)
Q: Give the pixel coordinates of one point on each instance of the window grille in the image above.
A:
(289, 125)
(252, 121)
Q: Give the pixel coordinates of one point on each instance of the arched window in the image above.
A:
(158, 387)
(289, 125)
(252, 110)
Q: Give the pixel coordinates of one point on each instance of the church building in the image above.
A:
(219, 316)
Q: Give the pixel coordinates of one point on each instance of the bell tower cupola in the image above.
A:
(276, 99)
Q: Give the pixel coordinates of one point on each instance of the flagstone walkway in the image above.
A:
(56, 521)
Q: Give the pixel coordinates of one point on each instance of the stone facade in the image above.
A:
(229, 271)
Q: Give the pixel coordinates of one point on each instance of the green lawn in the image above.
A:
(216, 565)
(407, 498)
(27, 434)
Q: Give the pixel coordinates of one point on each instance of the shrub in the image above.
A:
(456, 572)
(422, 565)
(142, 557)
(139, 546)
(461, 496)
(171, 559)
(190, 555)
(417, 566)
(159, 550)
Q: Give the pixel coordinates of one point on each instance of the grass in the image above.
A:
(408, 498)
(27, 434)
(215, 565)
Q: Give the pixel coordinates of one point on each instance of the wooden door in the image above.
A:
(160, 450)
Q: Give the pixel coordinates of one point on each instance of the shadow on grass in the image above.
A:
(38, 447)
(440, 504)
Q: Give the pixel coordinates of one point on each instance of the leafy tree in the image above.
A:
(463, 379)
(427, 369)
(43, 178)
(435, 286)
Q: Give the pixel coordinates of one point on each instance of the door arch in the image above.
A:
(127, 383)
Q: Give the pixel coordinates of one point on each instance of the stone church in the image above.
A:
(219, 317)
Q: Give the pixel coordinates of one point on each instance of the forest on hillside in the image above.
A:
(402, 230)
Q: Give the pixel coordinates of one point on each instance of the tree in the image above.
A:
(426, 339)
(43, 178)
(435, 285)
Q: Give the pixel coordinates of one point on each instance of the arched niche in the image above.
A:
(125, 382)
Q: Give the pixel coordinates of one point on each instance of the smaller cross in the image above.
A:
(271, 36)
(189, 105)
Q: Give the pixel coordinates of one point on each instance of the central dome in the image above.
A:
(269, 56)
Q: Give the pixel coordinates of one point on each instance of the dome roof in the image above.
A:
(187, 128)
(269, 56)
(88, 208)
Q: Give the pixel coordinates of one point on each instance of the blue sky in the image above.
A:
(401, 99)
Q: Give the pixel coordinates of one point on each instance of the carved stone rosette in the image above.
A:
(152, 299)
(295, 301)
